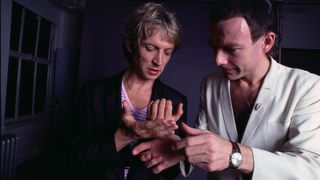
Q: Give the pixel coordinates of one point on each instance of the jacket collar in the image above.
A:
(264, 97)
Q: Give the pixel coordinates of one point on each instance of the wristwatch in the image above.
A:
(236, 156)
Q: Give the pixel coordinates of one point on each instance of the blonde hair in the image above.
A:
(144, 21)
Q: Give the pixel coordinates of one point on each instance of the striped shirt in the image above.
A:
(138, 114)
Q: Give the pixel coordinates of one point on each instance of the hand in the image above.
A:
(162, 124)
(204, 149)
(158, 153)
(162, 110)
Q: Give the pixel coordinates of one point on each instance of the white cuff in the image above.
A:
(185, 172)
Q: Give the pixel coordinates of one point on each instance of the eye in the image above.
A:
(168, 52)
(149, 47)
(231, 50)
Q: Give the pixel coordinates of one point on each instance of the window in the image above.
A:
(29, 63)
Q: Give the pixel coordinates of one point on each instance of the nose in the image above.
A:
(219, 58)
(157, 59)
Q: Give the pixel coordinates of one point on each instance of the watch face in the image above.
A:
(236, 159)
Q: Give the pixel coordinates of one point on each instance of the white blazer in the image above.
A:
(284, 127)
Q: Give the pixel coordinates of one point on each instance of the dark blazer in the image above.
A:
(94, 155)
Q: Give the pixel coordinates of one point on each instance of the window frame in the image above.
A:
(17, 119)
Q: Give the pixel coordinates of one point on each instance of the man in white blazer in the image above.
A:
(257, 118)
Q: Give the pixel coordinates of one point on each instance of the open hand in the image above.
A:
(160, 121)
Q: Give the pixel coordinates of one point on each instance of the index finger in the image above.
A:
(141, 147)
(168, 110)
(154, 109)
(161, 108)
(190, 141)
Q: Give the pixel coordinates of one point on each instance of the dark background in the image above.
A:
(88, 46)
(101, 54)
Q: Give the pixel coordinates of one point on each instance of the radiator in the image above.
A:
(9, 145)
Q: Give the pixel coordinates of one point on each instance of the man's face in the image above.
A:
(153, 55)
(234, 51)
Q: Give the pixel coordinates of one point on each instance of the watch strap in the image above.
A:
(235, 147)
(236, 156)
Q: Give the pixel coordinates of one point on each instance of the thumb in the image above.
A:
(127, 118)
(191, 131)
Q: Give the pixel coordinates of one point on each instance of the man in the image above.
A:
(257, 119)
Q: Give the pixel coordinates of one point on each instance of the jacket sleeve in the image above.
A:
(299, 156)
(93, 145)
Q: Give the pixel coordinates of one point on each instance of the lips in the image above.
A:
(153, 71)
(227, 70)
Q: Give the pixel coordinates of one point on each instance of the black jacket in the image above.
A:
(94, 155)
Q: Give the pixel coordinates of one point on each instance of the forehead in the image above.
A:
(230, 31)
(160, 39)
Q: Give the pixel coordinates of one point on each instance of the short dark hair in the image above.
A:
(144, 21)
(259, 15)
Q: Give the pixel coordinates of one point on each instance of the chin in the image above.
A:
(233, 77)
(151, 77)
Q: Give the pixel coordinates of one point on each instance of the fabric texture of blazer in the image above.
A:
(94, 155)
(283, 129)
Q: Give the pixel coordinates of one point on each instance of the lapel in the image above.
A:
(227, 111)
(265, 96)
(158, 91)
(113, 100)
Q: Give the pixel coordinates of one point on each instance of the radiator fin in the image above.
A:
(9, 144)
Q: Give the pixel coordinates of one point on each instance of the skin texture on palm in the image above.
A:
(159, 124)
(158, 153)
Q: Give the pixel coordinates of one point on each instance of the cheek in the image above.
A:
(144, 58)
(143, 55)
(167, 59)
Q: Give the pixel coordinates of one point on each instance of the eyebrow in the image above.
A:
(150, 44)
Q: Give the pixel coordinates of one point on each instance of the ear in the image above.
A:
(269, 41)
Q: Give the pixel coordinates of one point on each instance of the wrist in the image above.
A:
(247, 165)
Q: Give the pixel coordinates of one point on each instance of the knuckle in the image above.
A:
(210, 149)
(211, 158)
(188, 142)
(187, 152)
